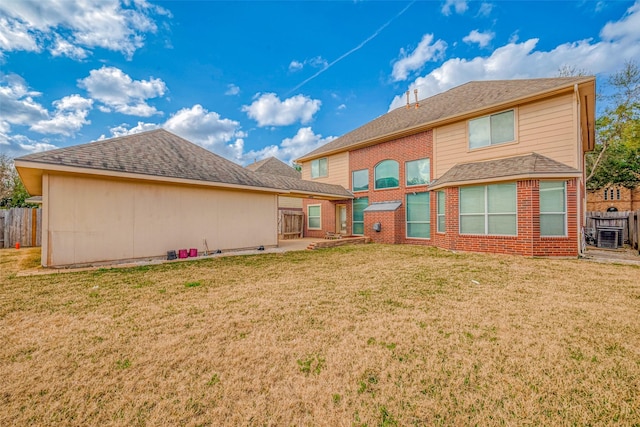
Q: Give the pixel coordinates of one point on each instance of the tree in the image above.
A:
(616, 158)
(12, 191)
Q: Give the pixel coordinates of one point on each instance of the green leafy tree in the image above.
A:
(12, 191)
(616, 158)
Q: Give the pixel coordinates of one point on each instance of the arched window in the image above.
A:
(387, 174)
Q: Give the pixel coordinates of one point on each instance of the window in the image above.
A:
(360, 180)
(313, 217)
(493, 129)
(418, 172)
(358, 215)
(605, 194)
(319, 167)
(418, 216)
(387, 174)
(618, 193)
(553, 208)
(611, 194)
(441, 211)
(488, 209)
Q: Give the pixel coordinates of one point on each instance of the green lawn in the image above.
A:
(359, 335)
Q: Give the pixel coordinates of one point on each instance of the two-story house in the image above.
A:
(488, 166)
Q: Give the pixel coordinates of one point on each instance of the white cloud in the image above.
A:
(295, 66)
(117, 25)
(316, 62)
(123, 130)
(342, 107)
(14, 35)
(460, 7)
(70, 116)
(36, 147)
(485, 9)
(290, 149)
(202, 127)
(475, 36)
(118, 91)
(64, 48)
(17, 104)
(232, 90)
(620, 42)
(424, 52)
(268, 110)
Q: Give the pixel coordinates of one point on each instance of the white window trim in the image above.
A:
(375, 187)
(565, 213)
(359, 170)
(406, 217)
(405, 172)
(485, 147)
(319, 216)
(486, 214)
(327, 168)
(438, 214)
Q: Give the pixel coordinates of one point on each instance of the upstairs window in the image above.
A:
(490, 130)
(387, 174)
(319, 168)
(360, 180)
(418, 172)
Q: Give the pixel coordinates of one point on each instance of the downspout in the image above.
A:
(581, 214)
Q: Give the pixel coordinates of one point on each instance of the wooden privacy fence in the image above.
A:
(20, 225)
(290, 224)
(634, 229)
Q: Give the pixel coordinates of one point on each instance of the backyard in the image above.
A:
(371, 335)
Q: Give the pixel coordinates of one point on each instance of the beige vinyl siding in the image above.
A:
(545, 127)
(289, 202)
(337, 170)
(93, 220)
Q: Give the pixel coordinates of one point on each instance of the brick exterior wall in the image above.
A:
(327, 216)
(629, 199)
(528, 241)
(413, 147)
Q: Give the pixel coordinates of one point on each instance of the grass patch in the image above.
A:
(321, 338)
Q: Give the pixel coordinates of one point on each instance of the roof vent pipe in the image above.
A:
(407, 100)
(415, 92)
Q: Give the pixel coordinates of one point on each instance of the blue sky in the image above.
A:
(251, 79)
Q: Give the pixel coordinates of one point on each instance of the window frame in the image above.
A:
(353, 180)
(318, 162)
(406, 174)
(564, 213)
(485, 213)
(491, 143)
(441, 205)
(428, 212)
(353, 215)
(319, 216)
(375, 175)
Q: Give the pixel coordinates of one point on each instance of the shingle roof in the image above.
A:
(274, 166)
(160, 153)
(459, 101)
(532, 164)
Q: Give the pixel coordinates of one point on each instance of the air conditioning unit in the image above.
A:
(608, 238)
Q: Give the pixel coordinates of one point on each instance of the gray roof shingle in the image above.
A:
(532, 164)
(274, 166)
(160, 153)
(458, 101)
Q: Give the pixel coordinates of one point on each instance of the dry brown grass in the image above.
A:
(364, 335)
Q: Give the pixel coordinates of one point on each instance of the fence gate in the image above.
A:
(20, 225)
(290, 224)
